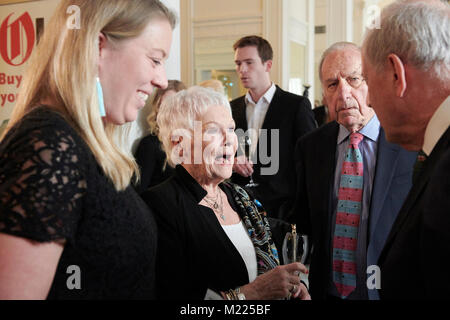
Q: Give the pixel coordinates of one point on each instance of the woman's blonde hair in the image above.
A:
(155, 103)
(64, 68)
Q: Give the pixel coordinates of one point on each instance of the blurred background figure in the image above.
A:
(323, 115)
(214, 84)
(149, 155)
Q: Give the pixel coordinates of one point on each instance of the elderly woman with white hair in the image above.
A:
(214, 240)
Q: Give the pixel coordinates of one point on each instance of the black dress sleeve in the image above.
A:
(172, 277)
(41, 184)
(145, 158)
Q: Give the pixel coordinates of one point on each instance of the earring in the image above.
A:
(101, 103)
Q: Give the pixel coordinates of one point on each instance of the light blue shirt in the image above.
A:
(368, 148)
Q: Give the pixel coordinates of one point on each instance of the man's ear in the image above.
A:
(268, 65)
(398, 71)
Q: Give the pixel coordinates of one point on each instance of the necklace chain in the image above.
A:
(216, 206)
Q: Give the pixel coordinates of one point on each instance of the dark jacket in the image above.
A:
(151, 160)
(194, 252)
(414, 261)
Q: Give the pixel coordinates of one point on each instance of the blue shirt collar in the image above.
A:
(371, 130)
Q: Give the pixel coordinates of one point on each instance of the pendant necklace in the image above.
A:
(216, 204)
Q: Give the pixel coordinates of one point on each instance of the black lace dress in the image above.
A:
(51, 189)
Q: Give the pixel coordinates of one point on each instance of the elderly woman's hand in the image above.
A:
(278, 283)
(302, 293)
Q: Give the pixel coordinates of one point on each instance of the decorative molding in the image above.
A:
(213, 21)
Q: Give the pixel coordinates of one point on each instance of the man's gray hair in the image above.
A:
(338, 46)
(178, 114)
(417, 32)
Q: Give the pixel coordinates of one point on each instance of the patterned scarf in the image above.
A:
(254, 218)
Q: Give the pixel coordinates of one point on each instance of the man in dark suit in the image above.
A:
(321, 162)
(409, 83)
(274, 120)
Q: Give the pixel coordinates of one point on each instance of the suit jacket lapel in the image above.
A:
(387, 157)
(326, 173)
(274, 115)
(239, 114)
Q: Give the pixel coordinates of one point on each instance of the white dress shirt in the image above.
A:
(437, 126)
(256, 113)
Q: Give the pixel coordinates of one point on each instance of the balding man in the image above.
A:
(351, 183)
(407, 65)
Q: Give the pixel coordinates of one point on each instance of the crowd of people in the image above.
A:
(201, 209)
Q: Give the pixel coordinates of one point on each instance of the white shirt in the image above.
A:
(256, 113)
(439, 123)
(238, 234)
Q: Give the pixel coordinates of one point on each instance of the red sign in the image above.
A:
(21, 32)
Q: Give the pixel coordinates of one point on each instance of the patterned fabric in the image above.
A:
(254, 218)
(347, 218)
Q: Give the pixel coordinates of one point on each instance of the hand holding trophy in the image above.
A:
(295, 247)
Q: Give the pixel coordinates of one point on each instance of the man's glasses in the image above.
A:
(353, 81)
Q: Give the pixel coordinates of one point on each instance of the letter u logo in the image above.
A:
(21, 39)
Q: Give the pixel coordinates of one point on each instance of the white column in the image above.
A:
(311, 50)
(339, 21)
(272, 28)
(173, 63)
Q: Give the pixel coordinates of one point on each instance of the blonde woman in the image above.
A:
(71, 227)
(149, 155)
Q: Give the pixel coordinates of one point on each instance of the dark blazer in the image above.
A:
(151, 160)
(194, 252)
(415, 260)
(292, 116)
(315, 166)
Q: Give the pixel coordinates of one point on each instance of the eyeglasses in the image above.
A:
(353, 81)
